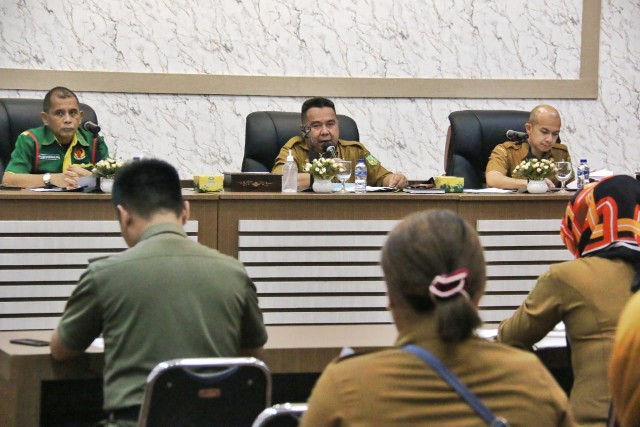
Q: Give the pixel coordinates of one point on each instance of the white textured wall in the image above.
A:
(533, 39)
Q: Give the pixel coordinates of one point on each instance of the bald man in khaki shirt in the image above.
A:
(543, 129)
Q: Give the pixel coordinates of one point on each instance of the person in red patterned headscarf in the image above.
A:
(601, 228)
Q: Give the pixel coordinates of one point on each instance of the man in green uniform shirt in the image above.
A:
(166, 297)
(543, 129)
(59, 152)
(320, 126)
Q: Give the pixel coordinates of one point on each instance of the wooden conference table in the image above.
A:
(314, 259)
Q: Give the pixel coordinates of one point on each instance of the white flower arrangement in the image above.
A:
(107, 168)
(322, 168)
(534, 169)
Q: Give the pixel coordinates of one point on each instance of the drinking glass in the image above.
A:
(344, 172)
(563, 173)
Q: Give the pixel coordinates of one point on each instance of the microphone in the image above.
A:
(91, 127)
(514, 135)
(328, 147)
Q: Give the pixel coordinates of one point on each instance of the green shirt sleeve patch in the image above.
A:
(372, 160)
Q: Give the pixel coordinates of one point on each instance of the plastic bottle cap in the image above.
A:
(290, 157)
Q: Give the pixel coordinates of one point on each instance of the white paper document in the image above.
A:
(491, 190)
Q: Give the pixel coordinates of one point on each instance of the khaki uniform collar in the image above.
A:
(530, 155)
(165, 228)
(421, 331)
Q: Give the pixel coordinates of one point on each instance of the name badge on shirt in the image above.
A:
(49, 156)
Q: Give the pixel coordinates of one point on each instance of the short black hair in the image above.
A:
(147, 187)
(58, 92)
(317, 102)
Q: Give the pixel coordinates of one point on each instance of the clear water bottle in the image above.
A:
(290, 175)
(583, 174)
(360, 174)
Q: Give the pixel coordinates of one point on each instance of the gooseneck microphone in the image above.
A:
(329, 148)
(91, 127)
(514, 135)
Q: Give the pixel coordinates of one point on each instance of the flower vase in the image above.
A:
(537, 186)
(106, 184)
(322, 185)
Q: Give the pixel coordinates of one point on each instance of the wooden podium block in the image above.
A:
(252, 181)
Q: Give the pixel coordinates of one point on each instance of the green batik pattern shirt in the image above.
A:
(52, 154)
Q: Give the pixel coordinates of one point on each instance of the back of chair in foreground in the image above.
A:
(206, 392)
(283, 415)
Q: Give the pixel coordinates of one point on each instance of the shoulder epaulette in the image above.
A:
(354, 354)
(293, 141)
(346, 142)
(512, 145)
(559, 146)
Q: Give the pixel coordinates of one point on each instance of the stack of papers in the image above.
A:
(351, 188)
(466, 190)
(599, 174)
(488, 190)
(595, 175)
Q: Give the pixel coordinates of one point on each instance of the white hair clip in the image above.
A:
(448, 285)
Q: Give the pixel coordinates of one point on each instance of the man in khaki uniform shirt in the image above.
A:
(543, 128)
(319, 126)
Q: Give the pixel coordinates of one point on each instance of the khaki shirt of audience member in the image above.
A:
(322, 126)
(397, 388)
(543, 128)
(588, 295)
(435, 274)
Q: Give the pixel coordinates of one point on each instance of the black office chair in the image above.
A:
(471, 137)
(206, 392)
(282, 415)
(267, 131)
(18, 115)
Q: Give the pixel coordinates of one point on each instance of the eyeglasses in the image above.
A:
(316, 127)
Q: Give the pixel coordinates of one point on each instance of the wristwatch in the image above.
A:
(46, 178)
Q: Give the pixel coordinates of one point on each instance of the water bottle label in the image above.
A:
(361, 177)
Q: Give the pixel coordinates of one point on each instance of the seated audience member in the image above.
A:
(624, 369)
(601, 229)
(165, 297)
(543, 129)
(60, 151)
(319, 127)
(435, 274)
